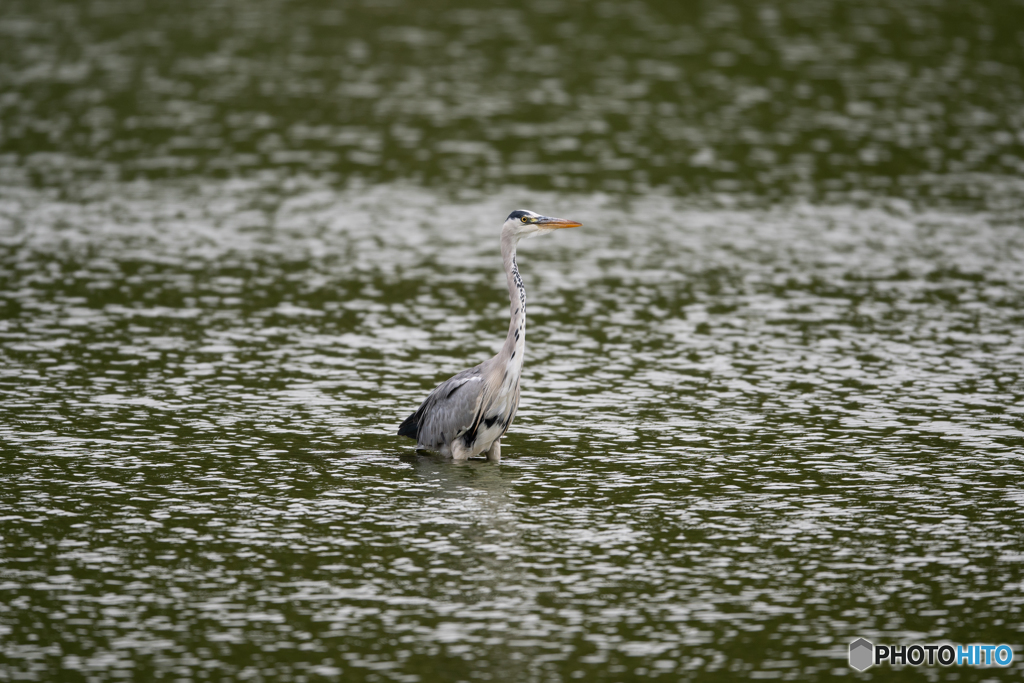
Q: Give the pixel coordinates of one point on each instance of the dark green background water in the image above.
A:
(805, 97)
(773, 391)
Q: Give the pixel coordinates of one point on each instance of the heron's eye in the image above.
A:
(524, 219)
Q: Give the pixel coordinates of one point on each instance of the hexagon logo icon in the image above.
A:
(862, 652)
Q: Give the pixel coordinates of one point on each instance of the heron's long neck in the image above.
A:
(515, 343)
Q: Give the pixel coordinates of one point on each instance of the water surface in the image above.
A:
(773, 391)
(746, 437)
(813, 98)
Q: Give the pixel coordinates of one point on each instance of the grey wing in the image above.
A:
(451, 409)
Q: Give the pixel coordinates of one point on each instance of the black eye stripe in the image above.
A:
(518, 214)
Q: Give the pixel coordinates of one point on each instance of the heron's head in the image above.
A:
(523, 223)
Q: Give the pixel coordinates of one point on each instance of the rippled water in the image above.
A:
(746, 436)
(797, 97)
(773, 392)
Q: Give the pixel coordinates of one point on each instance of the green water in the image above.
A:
(801, 98)
(772, 399)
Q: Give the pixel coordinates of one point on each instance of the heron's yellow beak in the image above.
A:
(556, 223)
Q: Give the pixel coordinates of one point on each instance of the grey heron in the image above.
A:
(469, 413)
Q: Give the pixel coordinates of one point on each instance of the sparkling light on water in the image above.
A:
(745, 436)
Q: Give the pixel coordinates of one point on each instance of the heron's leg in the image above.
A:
(494, 454)
(459, 452)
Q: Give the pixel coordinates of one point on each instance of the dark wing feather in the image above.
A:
(447, 412)
(411, 426)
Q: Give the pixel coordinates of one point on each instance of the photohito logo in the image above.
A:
(864, 653)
